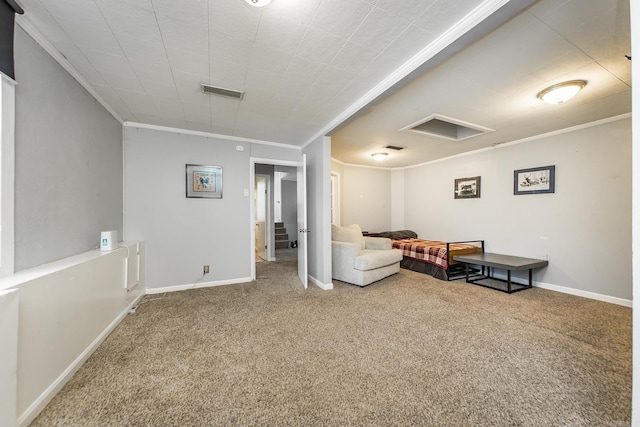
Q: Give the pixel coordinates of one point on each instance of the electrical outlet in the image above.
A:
(205, 270)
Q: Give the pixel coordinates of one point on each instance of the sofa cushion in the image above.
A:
(350, 234)
(370, 259)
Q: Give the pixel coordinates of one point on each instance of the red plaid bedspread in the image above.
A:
(432, 251)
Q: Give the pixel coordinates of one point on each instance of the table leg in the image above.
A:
(530, 277)
(508, 281)
(466, 271)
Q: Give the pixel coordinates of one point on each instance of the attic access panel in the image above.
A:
(446, 127)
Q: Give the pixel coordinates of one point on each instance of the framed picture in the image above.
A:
(466, 188)
(204, 181)
(535, 180)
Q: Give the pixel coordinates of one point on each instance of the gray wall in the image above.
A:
(584, 228)
(68, 185)
(183, 234)
(367, 195)
(319, 209)
(290, 207)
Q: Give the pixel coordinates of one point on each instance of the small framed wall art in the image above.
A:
(204, 181)
(535, 180)
(467, 188)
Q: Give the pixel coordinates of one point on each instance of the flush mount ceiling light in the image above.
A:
(379, 156)
(258, 3)
(561, 92)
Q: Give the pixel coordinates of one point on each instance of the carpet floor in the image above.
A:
(408, 350)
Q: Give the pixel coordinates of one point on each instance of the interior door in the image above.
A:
(302, 221)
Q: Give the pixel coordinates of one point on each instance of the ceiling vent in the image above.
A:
(446, 127)
(394, 147)
(214, 90)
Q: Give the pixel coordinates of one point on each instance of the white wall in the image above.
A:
(366, 193)
(183, 234)
(290, 207)
(584, 227)
(65, 310)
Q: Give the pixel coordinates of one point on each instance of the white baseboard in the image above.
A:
(585, 294)
(197, 285)
(318, 283)
(38, 405)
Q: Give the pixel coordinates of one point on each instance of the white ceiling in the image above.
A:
(494, 82)
(305, 65)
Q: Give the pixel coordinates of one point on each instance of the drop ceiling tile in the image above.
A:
(92, 38)
(229, 49)
(408, 10)
(339, 17)
(235, 18)
(266, 59)
(412, 40)
(336, 77)
(133, 22)
(304, 69)
(379, 30)
(319, 46)
(189, 12)
(167, 108)
(227, 74)
(197, 113)
(126, 4)
(261, 84)
(443, 14)
(154, 74)
(199, 98)
(183, 60)
(143, 51)
(353, 57)
(68, 12)
(152, 88)
(293, 88)
(189, 83)
(299, 11)
(121, 81)
(280, 33)
(192, 37)
(109, 63)
(136, 101)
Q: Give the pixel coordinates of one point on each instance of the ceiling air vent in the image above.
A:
(214, 90)
(394, 147)
(446, 127)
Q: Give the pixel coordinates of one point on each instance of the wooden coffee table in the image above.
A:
(503, 262)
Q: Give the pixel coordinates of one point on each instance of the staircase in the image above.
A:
(282, 238)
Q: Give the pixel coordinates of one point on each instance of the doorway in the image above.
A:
(281, 192)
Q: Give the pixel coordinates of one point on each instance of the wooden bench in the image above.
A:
(503, 262)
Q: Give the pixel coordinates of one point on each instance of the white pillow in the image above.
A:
(351, 234)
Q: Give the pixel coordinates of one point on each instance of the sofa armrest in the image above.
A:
(377, 243)
(345, 250)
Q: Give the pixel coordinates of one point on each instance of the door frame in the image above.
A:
(268, 238)
(252, 173)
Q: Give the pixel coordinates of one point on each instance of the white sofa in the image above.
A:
(361, 260)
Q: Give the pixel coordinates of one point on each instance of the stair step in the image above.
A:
(282, 244)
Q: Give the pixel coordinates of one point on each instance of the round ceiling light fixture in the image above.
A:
(379, 156)
(258, 3)
(561, 92)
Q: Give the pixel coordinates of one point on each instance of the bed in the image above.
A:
(432, 257)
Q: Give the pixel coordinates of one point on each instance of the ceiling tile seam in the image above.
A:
(128, 61)
(578, 48)
(173, 77)
(30, 29)
(457, 30)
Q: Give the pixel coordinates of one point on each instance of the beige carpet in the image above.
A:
(409, 350)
